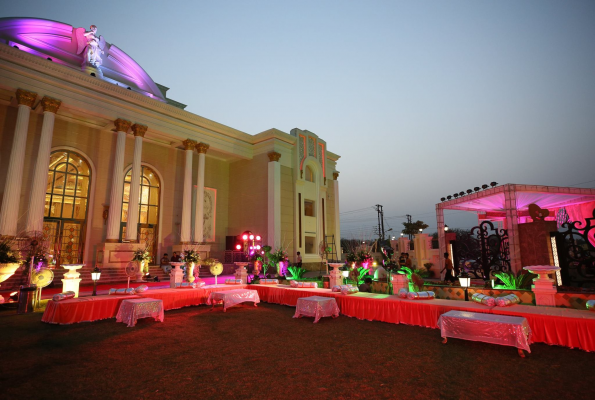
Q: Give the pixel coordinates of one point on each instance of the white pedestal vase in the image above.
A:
(242, 272)
(543, 287)
(176, 275)
(71, 279)
(336, 277)
(399, 282)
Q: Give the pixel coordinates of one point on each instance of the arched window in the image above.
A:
(148, 215)
(66, 204)
(309, 174)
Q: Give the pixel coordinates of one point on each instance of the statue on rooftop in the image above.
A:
(92, 46)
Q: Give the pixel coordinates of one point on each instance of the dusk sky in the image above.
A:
(421, 99)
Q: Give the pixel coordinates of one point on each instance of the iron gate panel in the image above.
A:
(577, 258)
(485, 252)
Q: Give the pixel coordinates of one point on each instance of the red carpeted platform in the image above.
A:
(559, 326)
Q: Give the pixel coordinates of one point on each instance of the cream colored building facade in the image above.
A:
(75, 134)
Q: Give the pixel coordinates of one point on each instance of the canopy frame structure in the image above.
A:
(511, 201)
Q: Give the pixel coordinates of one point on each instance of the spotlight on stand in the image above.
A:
(449, 197)
(477, 188)
(493, 184)
(484, 187)
(442, 198)
(461, 194)
(95, 275)
(456, 195)
(469, 191)
(465, 282)
(238, 247)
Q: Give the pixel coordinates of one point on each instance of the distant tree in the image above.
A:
(412, 228)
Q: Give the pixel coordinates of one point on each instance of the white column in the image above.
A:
(40, 176)
(133, 200)
(185, 236)
(115, 208)
(337, 217)
(200, 193)
(274, 201)
(9, 213)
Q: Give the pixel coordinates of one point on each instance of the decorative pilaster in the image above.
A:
(200, 193)
(9, 213)
(185, 235)
(115, 209)
(274, 200)
(512, 228)
(337, 216)
(40, 175)
(133, 200)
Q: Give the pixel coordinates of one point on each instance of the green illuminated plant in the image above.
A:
(297, 272)
(521, 281)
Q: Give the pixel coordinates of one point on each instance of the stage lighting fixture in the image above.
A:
(251, 237)
(238, 247)
(14, 296)
(456, 195)
(449, 197)
(484, 187)
(493, 184)
(442, 198)
(258, 237)
(469, 191)
(245, 237)
(461, 194)
(476, 188)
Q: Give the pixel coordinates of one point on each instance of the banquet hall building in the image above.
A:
(97, 157)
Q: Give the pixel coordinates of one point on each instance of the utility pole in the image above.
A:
(380, 222)
(409, 221)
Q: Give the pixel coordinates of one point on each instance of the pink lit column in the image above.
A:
(115, 207)
(133, 201)
(185, 236)
(512, 228)
(9, 214)
(40, 176)
(200, 193)
(337, 216)
(441, 236)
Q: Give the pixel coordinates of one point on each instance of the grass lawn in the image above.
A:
(263, 353)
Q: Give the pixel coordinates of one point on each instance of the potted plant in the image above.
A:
(10, 259)
(192, 259)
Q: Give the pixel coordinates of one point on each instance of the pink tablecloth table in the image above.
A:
(230, 298)
(489, 328)
(134, 309)
(317, 307)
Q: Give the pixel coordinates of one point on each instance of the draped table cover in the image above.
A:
(230, 298)
(317, 307)
(134, 309)
(497, 329)
(83, 309)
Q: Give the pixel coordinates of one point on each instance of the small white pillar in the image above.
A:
(71, 279)
(242, 272)
(336, 277)
(176, 275)
(543, 287)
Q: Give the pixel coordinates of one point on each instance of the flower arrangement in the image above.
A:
(142, 255)
(8, 255)
(191, 256)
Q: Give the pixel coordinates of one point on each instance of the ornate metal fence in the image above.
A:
(485, 251)
(576, 253)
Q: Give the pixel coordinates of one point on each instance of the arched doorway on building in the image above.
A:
(148, 214)
(66, 205)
